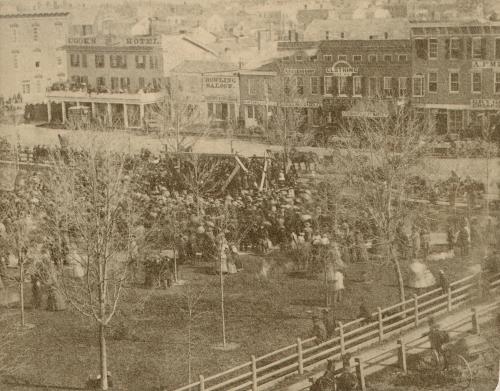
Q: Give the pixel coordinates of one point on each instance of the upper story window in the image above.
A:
(455, 48)
(422, 48)
(342, 85)
(478, 48)
(454, 82)
(329, 57)
(285, 59)
(418, 85)
(342, 57)
(432, 85)
(35, 32)
(14, 29)
(140, 62)
(372, 58)
(403, 86)
(118, 61)
(387, 58)
(342, 35)
(300, 85)
(26, 87)
(497, 82)
(357, 58)
(315, 85)
(252, 86)
(327, 35)
(84, 60)
(74, 60)
(329, 85)
(497, 48)
(433, 48)
(298, 58)
(476, 82)
(99, 60)
(387, 86)
(356, 86)
(37, 64)
(403, 58)
(313, 58)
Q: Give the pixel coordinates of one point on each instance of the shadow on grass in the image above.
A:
(17, 383)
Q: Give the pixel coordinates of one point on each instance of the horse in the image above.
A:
(299, 157)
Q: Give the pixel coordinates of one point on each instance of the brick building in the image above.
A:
(30, 55)
(456, 73)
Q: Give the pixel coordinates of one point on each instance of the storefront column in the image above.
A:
(125, 115)
(49, 111)
(141, 116)
(63, 108)
(92, 109)
(110, 114)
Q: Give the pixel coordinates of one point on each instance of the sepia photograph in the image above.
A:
(250, 195)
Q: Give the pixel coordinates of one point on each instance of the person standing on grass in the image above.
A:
(450, 237)
(415, 242)
(338, 286)
(425, 242)
(463, 241)
(443, 282)
(319, 329)
(329, 323)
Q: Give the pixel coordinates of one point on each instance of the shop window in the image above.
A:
(403, 86)
(433, 48)
(455, 121)
(74, 60)
(356, 86)
(476, 82)
(329, 85)
(315, 85)
(387, 86)
(342, 83)
(373, 87)
(497, 82)
(418, 85)
(250, 112)
(454, 82)
(432, 82)
(299, 81)
(99, 61)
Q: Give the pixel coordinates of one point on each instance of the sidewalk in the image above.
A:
(380, 350)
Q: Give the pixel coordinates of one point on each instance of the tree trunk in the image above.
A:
(21, 288)
(103, 357)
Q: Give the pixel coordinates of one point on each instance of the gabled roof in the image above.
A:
(192, 66)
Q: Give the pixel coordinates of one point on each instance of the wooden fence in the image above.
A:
(263, 372)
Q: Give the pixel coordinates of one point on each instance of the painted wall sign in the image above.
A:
(301, 103)
(485, 64)
(342, 69)
(363, 114)
(82, 41)
(299, 71)
(114, 41)
(258, 102)
(485, 103)
(220, 82)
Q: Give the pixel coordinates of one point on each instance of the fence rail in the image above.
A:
(263, 372)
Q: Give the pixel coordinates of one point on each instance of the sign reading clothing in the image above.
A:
(342, 69)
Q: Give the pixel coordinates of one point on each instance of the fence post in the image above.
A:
(475, 321)
(300, 356)
(415, 303)
(202, 383)
(254, 373)
(360, 373)
(380, 324)
(341, 334)
(480, 286)
(402, 355)
(450, 305)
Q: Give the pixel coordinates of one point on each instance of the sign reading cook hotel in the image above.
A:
(112, 41)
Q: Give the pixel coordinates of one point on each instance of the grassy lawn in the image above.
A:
(262, 314)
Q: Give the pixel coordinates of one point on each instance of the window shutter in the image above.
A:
(447, 48)
(469, 47)
(364, 85)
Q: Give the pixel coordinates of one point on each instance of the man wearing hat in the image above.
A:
(319, 329)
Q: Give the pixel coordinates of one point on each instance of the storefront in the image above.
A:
(221, 94)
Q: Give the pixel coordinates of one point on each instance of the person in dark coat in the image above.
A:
(318, 330)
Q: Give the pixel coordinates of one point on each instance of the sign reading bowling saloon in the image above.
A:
(342, 69)
(221, 85)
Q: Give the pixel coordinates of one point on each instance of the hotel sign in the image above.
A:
(486, 64)
(142, 41)
(485, 103)
(342, 69)
(82, 41)
(115, 41)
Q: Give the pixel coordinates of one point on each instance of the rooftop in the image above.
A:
(35, 15)
(191, 66)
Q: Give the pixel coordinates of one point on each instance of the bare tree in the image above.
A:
(377, 161)
(95, 197)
